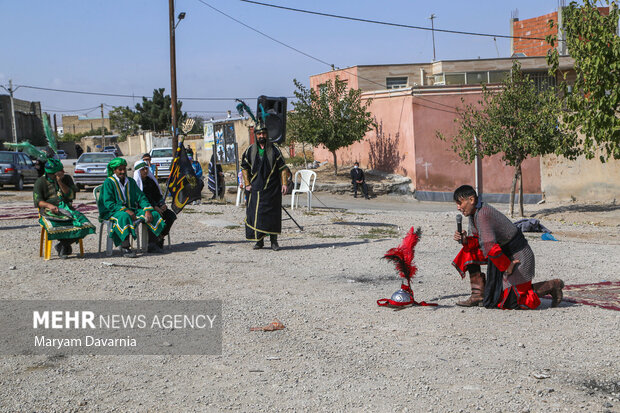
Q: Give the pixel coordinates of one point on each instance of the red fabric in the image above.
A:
(469, 254)
(526, 297)
(501, 261)
(386, 302)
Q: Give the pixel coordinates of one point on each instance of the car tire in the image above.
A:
(20, 184)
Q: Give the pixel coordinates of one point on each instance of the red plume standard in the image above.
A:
(402, 257)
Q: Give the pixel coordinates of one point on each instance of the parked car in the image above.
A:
(17, 169)
(60, 155)
(162, 159)
(111, 149)
(90, 168)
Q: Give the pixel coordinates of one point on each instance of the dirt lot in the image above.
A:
(339, 350)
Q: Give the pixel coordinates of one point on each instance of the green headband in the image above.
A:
(139, 165)
(115, 163)
(52, 166)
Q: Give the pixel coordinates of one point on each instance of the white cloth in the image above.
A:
(138, 178)
(123, 186)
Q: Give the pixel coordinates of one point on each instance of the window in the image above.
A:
(396, 82)
(542, 80)
(498, 76)
(455, 78)
(476, 78)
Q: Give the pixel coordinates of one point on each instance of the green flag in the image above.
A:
(51, 138)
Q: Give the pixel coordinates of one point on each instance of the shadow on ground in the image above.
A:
(576, 208)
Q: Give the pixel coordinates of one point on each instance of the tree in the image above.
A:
(594, 105)
(155, 114)
(199, 122)
(517, 121)
(334, 117)
(124, 120)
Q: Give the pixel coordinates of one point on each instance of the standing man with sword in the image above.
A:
(265, 176)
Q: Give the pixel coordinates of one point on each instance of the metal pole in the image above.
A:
(102, 129)
(13, 126)
(433, 31)
(173, 76)
(215, 174)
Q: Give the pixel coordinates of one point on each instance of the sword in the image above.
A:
(292, 219)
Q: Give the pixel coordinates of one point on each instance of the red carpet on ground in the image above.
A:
(24, 211)
(604, 294)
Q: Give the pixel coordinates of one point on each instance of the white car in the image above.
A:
(161, 158)
(60, 154)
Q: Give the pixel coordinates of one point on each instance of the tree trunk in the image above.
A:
(335, 163)
(521, 191)
(303, 150)
(512, 192)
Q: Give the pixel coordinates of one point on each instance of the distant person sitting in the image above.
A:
(150, 187)
(358, 179)
(147, 158)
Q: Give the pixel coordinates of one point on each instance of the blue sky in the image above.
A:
(122, 46)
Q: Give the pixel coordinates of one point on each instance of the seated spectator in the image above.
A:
(53, 194)
(358, 179)
(148, 184)
(122, 202)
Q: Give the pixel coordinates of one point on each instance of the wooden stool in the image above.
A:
(45, 246)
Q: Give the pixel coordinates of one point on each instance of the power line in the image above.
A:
(71, 110)
(406, 26)
(324, 62)
(135, 96)
(266, 35)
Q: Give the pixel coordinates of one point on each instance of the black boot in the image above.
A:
(61, 249)
(259, 244)
(274, 242)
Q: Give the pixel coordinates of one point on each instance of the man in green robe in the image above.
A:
(53, 194)
(123, 203)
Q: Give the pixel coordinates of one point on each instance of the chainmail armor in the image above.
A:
(493, 227)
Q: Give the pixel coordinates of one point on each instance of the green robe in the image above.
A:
(113, 203)
(58, 226)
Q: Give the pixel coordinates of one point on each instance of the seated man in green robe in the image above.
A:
(53, 193)
(123, 203)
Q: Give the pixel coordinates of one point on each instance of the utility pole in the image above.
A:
(102, 130)
(433, 31)
(173, 78)
(13, 126)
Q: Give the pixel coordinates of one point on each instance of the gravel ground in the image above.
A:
(339, 350)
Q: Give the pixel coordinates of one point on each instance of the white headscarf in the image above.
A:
(139, 164)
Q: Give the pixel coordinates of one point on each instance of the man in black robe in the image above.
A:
(265, 175)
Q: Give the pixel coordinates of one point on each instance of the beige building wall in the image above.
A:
(75, 125)
(580, 180)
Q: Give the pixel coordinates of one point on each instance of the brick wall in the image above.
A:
(534, 27)
(537, 27)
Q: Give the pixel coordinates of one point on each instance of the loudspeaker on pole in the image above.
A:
(275, 117)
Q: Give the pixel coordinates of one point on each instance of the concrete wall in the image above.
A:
(581, 180)
(75, 124)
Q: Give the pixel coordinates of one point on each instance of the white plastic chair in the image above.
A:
(307, 179)
(142, 235)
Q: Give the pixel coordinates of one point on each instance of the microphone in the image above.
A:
(459, 226)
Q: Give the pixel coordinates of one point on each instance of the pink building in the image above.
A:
(411, 102)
